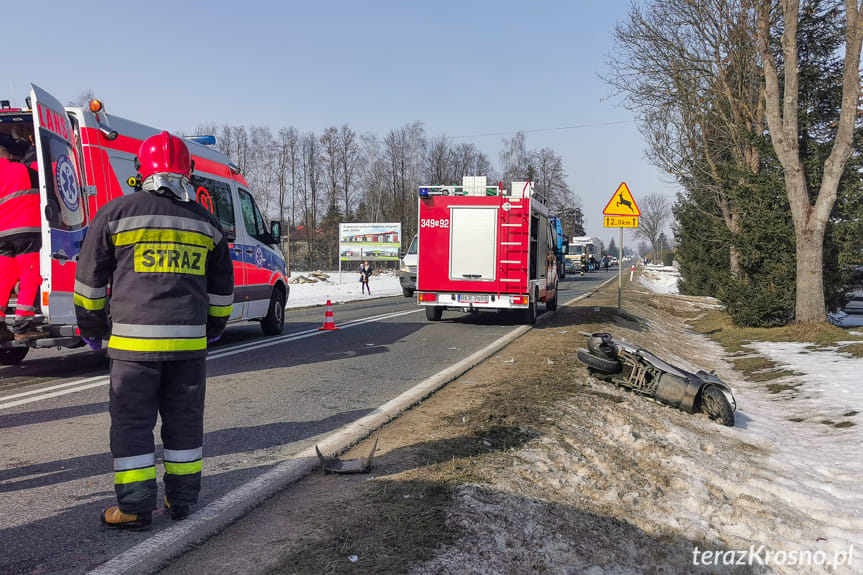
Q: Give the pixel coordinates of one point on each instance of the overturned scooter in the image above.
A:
(639, 370)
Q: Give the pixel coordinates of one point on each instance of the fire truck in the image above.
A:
(485, 248)
(84, 160)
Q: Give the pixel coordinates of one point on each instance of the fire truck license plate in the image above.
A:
(473, 298)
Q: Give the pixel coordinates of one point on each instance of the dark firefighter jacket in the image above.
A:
(170, 275)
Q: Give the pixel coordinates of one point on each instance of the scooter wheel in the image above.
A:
(598, 363)
(716, 406)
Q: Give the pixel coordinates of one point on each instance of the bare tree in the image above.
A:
(83, 99)
(351, 163)
(309, 190)
(550, 177)
(655, 214)
(438, 162)
(404, 152)
(331, 166)
(810, 217)
(690, 69)
(514, 158)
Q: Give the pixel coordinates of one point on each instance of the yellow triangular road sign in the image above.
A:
(622, 203)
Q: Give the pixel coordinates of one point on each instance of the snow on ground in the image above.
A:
(796, 482)
(813, 432)
(339, 288)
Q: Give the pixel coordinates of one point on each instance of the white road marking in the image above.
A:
(90, 382)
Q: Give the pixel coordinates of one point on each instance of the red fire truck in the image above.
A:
(485, 248)
(84, 160)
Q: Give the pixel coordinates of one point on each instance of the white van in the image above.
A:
(408, 271)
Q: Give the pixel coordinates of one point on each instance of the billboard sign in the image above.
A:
(373, 242)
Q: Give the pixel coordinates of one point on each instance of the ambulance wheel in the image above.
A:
(13, 356)
(274, 323)
(434, 313)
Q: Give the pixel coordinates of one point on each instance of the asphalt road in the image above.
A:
(269, 401)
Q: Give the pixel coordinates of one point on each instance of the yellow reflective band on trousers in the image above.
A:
(89, 304)
(184, 468)
(155, 235)
(138, 344)
(220, 310)
(170, 258)
(133, 475)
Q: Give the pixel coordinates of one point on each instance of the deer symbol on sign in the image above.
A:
(624, 201)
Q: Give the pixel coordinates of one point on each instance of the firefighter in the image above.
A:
(20, 240)
(171, 281)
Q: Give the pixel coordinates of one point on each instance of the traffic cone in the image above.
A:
(328, 318)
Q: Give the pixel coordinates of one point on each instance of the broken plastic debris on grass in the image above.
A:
(509, 360)
(353, 558)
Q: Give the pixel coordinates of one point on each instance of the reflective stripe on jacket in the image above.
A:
(171, 277)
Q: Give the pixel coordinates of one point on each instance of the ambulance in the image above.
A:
(485, 248)
(84, 160)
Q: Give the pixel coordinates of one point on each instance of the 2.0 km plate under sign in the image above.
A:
(470, 298)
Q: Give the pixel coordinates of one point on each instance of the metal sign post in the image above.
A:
(620, 273)
(621, 212)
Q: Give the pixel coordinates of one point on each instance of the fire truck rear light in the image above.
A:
(45, 298)
(428, 297)
(519, 300)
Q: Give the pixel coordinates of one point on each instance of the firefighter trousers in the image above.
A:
(139, 391)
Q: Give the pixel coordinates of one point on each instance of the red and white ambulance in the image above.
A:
(84, 160)
(485, 248)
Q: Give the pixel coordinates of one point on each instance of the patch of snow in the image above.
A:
(340, 287)
(807, 455)
(660, 279)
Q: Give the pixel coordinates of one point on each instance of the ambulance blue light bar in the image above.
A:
(204, 140)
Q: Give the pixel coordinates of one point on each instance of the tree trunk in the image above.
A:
(810, 306)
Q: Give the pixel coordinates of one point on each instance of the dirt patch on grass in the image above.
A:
(526, 466)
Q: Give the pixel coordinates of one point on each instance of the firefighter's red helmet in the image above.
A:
(164, 153)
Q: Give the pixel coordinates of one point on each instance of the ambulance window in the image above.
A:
(252, 217)
(216, 197)
(65, 204)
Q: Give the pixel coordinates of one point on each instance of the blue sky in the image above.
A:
(477, 71)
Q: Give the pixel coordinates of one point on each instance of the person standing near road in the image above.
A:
(167, 262)
(20, 241)
(365, 273)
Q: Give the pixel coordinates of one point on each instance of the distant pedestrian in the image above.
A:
(365, 273)
(605, 263)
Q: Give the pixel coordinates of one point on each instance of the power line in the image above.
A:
(575, 127)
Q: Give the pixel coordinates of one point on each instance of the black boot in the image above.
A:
(26, 330)
(178, 512)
